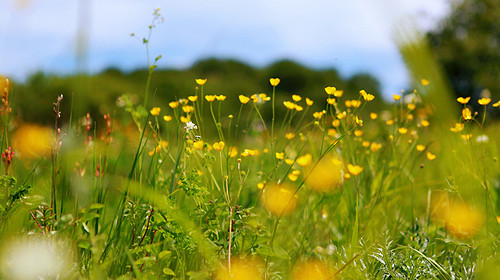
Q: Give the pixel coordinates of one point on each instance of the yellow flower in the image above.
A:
(484, 101)
(338, 93)
(201, 81)
(325, 176)
(193, 98)
(373, 116)
(305, 160)
(457, 128)
(318, 115)
(466, 114)
(466, 137)
(356, 103)
(185, 119)
(167, 118)
(336, 123)
(298, 108)
(331, 101)
(161, 144)
(173, 104)
(348, 103)
(430, 156)
(403, 130)
(411, 106)
(233, 152)
(221, 97)
(260, 185)
(155, 111)
(358, 121)
(424, 123)
(330, 90)
(296, 97)
(311, 269)
(389, 122)
(289, 161)
(424, 82)
(463, 100)
(294, 175)
(242, 268)
(309, 102)
(280, 200)
(354, 169)
(187, 109)
(290, 135)
(218, 146)
(280, 155)
(496, 104)
(365, 144)
(331, 132)
(461, 220)
(32, 140)
(210, 98)
(274, 81)
(366, 96)
(289, 105)
(198, 145)
(375, 146)
(341, 115)
(396, 97)
(420, 148)
(244, 99)
(358, 132)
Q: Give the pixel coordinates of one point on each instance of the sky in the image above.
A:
(351, 36)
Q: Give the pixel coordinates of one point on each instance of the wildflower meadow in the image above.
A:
(244, 185)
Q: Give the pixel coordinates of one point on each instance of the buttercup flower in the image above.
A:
(155, 111)
(274, 81)
(201, 81)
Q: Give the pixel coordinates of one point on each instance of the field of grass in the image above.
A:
(185, 192)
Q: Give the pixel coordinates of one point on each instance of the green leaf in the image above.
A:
(168, 271)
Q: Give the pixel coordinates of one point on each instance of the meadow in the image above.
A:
(251, 186)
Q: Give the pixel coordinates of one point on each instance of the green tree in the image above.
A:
(467, 44)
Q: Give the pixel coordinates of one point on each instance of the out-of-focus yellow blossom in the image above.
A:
(347, 176)
(466, 114)
(259, 98)
(260, 185)
(274, 81)
(249, 153)
(411, 106)
(218, 146)
(167, 118)
(210, 98)
(331, 101)
(358, 133)
(420, 148)
(331, 132)
(201, 81)
(311, 269)
(375, 146)
(430, 156)
(289, 105)
(187, 109)
(279, 200)
(348, 103)
(173, 104)
(155, 111)
(233, 152)
(424, 123)
(298, 108)
(318, 115)
(242, 268)
(296, 97)
(396, 97)
(457, 128)
(424, 82)
(309, 102)
(289, 161)
(403, 130)
(356, 103)
(290, 135)
(463, 100)
(32, 140)
(325, 176)
(341, 115)
(304, 160)
(358, 121)
(280, 155)
(484, 101)
(265, 151)
(496, 104)
(366, 96)
(373, 116)
(389, 122)
(365, 144)
(336, 123)
(354, 169)
(243, 99)
(330, 90)
(466, 137)
(162, 144)
(220, 97)
(184, 119)
(193, 98)
(294, 175)
(338, 93)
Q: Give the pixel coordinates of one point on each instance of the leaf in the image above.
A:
(168, 271)
(164, 254)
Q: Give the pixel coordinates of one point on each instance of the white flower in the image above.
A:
(190, 126)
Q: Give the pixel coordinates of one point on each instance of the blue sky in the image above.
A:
(351, 36)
